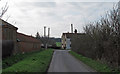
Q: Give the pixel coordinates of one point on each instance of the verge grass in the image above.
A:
(96, 65)
(37, 62)
(58, 44)
(9, 61)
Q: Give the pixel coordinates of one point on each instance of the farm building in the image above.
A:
(27, 43)
(68, 39)
(9, 35)
(14, 42)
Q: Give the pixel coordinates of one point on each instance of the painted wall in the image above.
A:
(68, 43)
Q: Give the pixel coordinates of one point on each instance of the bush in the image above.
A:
(101, 40)
(96, 65)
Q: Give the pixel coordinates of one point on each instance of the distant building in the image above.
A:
(67, 39)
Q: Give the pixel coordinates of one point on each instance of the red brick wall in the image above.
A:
(28, 46)
(27, 43)
(9, 32)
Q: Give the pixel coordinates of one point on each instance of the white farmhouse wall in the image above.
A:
(68, 43)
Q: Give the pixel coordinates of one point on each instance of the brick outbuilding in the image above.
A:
(27, 43)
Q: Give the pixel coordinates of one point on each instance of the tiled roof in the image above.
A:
(69, 35)
(7, 25)
(26, 38)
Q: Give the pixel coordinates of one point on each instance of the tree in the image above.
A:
(3, 10)
(43, 39)
(37, 35)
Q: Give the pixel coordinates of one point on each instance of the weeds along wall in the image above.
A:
(101, 40)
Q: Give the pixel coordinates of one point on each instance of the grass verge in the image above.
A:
(9, 61)
(96, 65)
(37, 62)
(58, 44)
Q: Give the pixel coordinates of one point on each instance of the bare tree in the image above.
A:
(37, 35)
(43, 39)
(7, 18)
(102, 39)
(4, 9)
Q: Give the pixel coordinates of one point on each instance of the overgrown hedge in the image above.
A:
(101, 40)
(96, 65)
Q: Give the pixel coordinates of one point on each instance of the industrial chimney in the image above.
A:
(75, 31)
(44, 31)
(71, 28)
(48, 32)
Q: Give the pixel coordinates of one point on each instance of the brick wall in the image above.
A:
(27, 43)
(28, 46)
(21, 42)
(9, 33)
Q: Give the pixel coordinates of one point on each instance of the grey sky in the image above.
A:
(32, 15)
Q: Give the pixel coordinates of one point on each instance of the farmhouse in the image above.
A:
(68, 39)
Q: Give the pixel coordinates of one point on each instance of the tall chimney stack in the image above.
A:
(48, 32)
(44, 31)
(71, 28)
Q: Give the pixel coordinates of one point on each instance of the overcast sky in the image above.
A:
(32, 15)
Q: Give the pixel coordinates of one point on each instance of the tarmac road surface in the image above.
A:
(62, 61)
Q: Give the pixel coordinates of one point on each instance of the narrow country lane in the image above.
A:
(62, 61)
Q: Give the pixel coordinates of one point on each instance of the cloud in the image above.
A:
(32, 16)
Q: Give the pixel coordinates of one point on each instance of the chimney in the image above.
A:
(71, 28)
(48, 32)
(75, 31)
(44, 31)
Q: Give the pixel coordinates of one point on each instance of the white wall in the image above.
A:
(68, 43)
